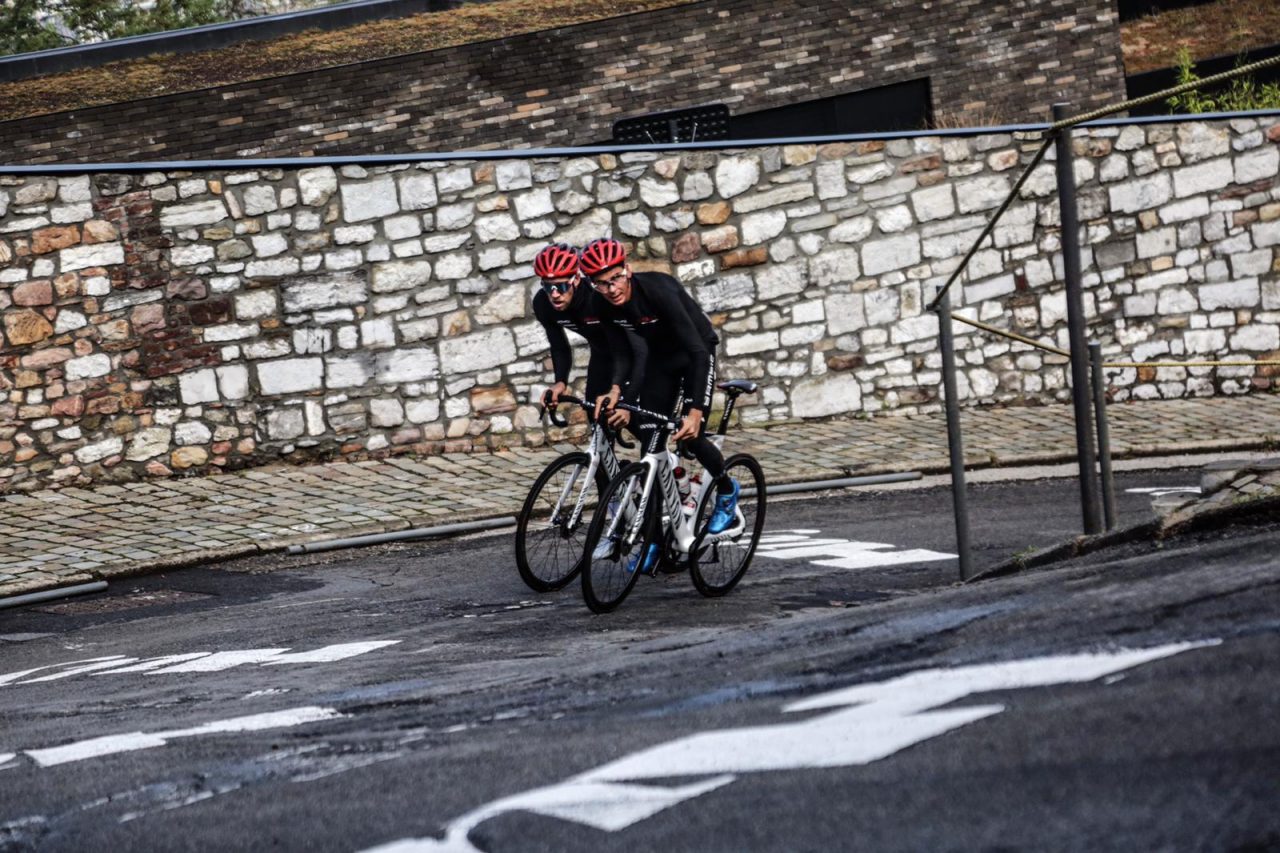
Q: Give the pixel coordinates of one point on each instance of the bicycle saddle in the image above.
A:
(737, 386)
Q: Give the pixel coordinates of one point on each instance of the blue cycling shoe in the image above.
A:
(722, 517)
(650, 561)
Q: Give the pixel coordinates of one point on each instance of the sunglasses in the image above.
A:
(608, 283)
(558, 287)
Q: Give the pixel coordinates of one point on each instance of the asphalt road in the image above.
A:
(850, 694)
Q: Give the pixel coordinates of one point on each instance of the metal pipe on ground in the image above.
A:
(1075, 323)
(52, 594)
(401, 535)
(840, 483)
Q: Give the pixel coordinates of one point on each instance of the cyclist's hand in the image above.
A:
(556, 390)
(608, 401)
(619, 418)
(690, 427)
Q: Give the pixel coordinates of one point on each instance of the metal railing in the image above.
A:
(1085, 359)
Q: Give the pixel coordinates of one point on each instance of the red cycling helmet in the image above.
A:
(601, 254)
(559, 260)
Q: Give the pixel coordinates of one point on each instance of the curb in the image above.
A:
(1268, 507)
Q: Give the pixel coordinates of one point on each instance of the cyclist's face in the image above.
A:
(560, 291)
(614, 285)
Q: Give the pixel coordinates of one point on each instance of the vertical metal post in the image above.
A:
(959, 500)
(1104, 435)
(1075, 324)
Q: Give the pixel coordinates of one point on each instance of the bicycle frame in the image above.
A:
(600, 450)
(659, 472)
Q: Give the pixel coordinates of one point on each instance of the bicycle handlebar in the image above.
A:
(550, 411)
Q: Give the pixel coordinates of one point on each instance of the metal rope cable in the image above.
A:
(1004, 334)
(1160, 96)
(1022, 179)
(1123, 364)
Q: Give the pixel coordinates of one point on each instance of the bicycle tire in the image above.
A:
(563, 551)
(606, 581)
(715, 569)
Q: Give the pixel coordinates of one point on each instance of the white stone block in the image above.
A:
(88, 366)
(726, 293)
(147, 444)
(291, 375)
(780, 280)
(230, 332)
(191, 432)
(477, 351)
(844, 313)
(453, 267)
(761, 227)
(190, 215)
(417, 190)
(1260, 164)
(870, 173)
(1198, 140)
(309, 294)
(807, 312)
(697, 186)
(892, 253)
(634, 224)
(829, 395)
(1242, 293)
(1266, 233)
(829, 178)
(400, 275)
(881, 306)
(365, 200)
(1204, 341)
(378, 332)
(413, 365)
(100, 450)
(1141, 194)
(747, 344)
(932, 203)
(1203, 178)
(736, 175)
(260, 199)
(349, 371)
(233, 381)
(894, 218)
(852, 230)
(1258, 337)
(422, 411)
(1247, 264)
(533, 204)
(924, 327)
(982, 193)
(513, 175)
(317, 186)
(784, 195)
(1160, 241)
(658, 193)
(834, 266)
(96, 255)
(1176, 300)
(498, 226)
(273, 268)
(198, 386)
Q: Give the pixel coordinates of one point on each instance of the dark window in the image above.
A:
(900, 106)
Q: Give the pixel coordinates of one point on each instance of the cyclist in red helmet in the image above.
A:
(561, 304)
(681, 355)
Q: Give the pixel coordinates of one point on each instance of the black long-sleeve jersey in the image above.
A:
(678, 333)
(621, 348)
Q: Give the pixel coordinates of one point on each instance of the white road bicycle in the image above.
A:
(642, 520)
(552, 525)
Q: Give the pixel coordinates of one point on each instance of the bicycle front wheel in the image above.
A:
(717, 563)
(614, 548)
(552, 526)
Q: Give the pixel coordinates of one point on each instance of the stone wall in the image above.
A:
(193, 321)
(567, 86)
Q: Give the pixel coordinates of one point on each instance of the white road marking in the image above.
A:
(873, 721)
(15, 676)
(840, 553)
(1157, 491)
(193, 662)
(114, 744)
(6, 757)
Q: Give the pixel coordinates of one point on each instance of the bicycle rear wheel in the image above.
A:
(609, 575)
(549, 545)
(717, 563)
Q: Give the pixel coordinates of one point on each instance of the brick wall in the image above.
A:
(986, 61)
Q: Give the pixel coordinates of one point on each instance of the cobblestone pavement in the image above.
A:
(58, 538)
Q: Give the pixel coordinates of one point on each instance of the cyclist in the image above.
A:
(681, 357)
(617, 355)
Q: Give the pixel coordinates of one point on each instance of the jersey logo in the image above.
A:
(645, 321)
